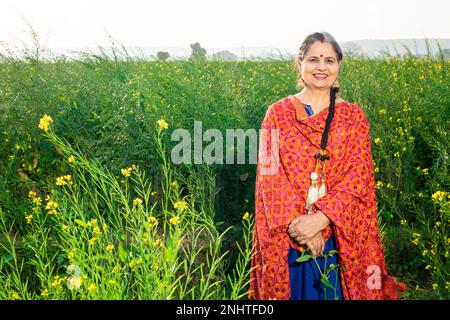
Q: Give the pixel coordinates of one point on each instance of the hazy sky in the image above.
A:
(214, 23)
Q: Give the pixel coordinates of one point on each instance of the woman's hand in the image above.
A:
(316, 245)
(305, 227)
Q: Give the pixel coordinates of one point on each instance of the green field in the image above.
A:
(93, 208)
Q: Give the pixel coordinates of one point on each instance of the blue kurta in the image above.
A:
(305, 278)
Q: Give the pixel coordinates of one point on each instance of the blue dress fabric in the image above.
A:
(305, 277)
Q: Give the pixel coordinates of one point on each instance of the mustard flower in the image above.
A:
(29, 218)
(180, 205)
(137, 202)
(45, 122)
(174, 220)
(162, 124)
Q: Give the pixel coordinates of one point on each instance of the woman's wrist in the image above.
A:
(323, 219)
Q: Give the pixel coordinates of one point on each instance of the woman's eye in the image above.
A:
(330, 61)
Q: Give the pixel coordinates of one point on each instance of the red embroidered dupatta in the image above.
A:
(350, 202)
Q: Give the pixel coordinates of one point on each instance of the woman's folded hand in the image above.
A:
(316, 245)
(305, 227)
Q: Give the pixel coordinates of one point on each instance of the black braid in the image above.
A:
(323, 144)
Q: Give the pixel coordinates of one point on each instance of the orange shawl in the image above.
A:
(350, 202)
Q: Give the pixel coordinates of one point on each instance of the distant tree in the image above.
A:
(162, 55)
(352, 49)
(224, 55)
(446, 53)
(198, 53)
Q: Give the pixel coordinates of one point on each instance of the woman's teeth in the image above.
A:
(320, 76)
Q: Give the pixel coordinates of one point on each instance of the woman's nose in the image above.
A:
(321, 65)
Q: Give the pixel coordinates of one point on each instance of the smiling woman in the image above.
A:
(316, 234)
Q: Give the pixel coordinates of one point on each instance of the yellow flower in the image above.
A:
(37, 201)
(377, 141)
(137, 202)
(112, 282)
(51, 207)
(435, 286)
(379, 185)
(246, 216)
(15, 296)
(403, 222)
(45, 122)
(389, 186)
(92, 222)
(31, 194)
(174, 220)
(29, 218)
(92, 240)
(71, 159)
(162, 124)
(424, 253)
(174, 184)
(152, 220)
(377, 169)
(382, 111)
(156, 243)
(439, 196)
(44, 293)
(126, 172)
(61, 181)
(91, 288)
(180, 205)
(110, 248)
(71, 254)
(96, 230)
(425, 171)
(153, 193)
(397, 154)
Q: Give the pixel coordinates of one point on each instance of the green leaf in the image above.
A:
(304, 258)
(81, 222)
(61, 260)
(122, 253)
(326, 282)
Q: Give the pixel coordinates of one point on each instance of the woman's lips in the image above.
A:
(320, 76)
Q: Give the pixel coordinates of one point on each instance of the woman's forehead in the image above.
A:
(317, 49)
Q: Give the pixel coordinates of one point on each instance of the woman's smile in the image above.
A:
(320, 76)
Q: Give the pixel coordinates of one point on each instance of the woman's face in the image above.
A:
(320, 67)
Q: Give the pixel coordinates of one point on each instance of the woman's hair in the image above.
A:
(307, 43)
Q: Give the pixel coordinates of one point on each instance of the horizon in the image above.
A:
(136, 23)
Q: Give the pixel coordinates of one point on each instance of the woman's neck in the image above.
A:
(315, 97)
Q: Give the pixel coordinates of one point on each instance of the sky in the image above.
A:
(217, 23)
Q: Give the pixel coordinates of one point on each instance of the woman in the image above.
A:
(315, 190)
